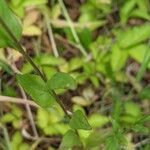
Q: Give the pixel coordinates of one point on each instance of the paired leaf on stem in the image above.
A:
(37, 89)
(41, 92)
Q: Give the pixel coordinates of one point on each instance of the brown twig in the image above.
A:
(27, 106)
(18, 101)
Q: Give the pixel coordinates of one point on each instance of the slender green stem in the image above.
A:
(74, 33)
(50, 33)
(21, 50)
(6, 136)
(27, 57)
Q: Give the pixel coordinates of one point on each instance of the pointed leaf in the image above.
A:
(61, 81)
(70, 140)
(79, 121)
(37, 89)
(11, 22)
(129, 38)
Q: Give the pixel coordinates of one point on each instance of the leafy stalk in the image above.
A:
(28, 58)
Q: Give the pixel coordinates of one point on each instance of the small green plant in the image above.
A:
(37, 86)
(101, 51)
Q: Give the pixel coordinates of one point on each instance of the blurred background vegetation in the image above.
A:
(105, 46)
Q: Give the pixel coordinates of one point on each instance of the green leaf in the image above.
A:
(70, 140)
(138, 53)
(97, 120)
(132, 109)
(134, 36)
(79, 121)
(16, 140)
(45, 59)
(75, 63)
(126, 10)
(12, 23)
(85, 36)
(37, 89)
(118, 58)
(8, 118)
(61, 81)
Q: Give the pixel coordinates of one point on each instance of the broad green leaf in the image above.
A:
(132, 113)
(45, 59)
(118, 58)
(56, 129)
(79, 121)
(97, 120)
(16, 140)
(134, 36)
(138, 53)
(132, 109)
(85, 36)
(75, 63)
(50, 122)
(12, 23)
(70, 140)
(37, 89)
(61, 81)
(8, 118)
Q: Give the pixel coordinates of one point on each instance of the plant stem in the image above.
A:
(61, 105)
(30, 116)
(6, 99)
(27, 57)
(50, 33)
(21, 50)
(74, 33)
(6, 136)
(27, 106)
